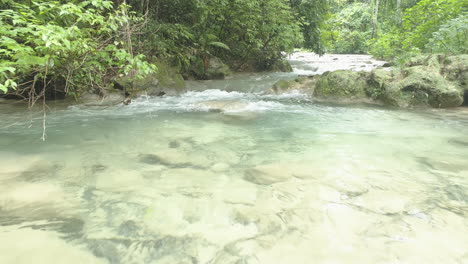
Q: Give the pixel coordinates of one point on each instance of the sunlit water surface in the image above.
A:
(267, 180)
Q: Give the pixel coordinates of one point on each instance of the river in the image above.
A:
(270, 179)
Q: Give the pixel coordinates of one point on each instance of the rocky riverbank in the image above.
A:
(436, 81)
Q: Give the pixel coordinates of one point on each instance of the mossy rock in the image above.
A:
(341, 84)
(281, 66)
(216, 70)
(166, 80)
(377, 81)
(169, 77)
(431, 60)
(455, 68)
(212, 69)
(422, 86)
(300, 83)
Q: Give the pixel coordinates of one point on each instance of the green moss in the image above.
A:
(423, 86)
(341, 84)
(169, 77)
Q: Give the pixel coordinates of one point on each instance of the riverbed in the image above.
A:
(231, 173)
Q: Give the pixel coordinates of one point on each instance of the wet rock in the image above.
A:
(288, 85)
(220, 167)
(174, 144)
(105, 249)
(212, 68)
(422, 86)
(221, 106)
(268, 174)
(387, 65)
(458, 142)
(456, 193)
(428, 81)
(280, 66)
(129, 229)
(166, 81)
(151, 159)
(14, 165)
(384, 202)
(109, 99)
(22, 246)
(310, 68)
(176, 158)
(340, 85)
(97, 168)
(455, 68)
(119, 179)
(216, 70)
(35, 201)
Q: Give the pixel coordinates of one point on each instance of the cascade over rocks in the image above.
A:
(427, 81)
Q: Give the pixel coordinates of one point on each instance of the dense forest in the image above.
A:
(80, 46)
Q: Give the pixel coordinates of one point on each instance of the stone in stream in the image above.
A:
(222, 106)
(36, 201)
(383, 202)
(278, 172)
(176, 159)
(458, 142)
(25, 245)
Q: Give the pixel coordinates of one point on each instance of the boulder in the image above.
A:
(107, 99)
(342, 85)
(302, 83)
(455, 68)
(284, 66)
(216, 69)
(166, 81)
(212, 68)
(422, 86)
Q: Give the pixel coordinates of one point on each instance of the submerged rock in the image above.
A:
(273, 173)
(109, 99)
(175, 158)
(289, 85)
(223, 105)
(267, 174)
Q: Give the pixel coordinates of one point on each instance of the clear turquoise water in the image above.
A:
(271, 179)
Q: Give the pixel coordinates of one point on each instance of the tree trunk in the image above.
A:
(375, 18)
(398, 6)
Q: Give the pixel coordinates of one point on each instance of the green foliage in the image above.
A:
(420, 21)
(452, 37)
(428, 26)
(349, 30)
(73, 43)
(188, 32)
(311, 14)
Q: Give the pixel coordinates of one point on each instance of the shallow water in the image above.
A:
(266, 179)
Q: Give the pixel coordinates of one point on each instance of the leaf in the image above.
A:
(219, 45)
